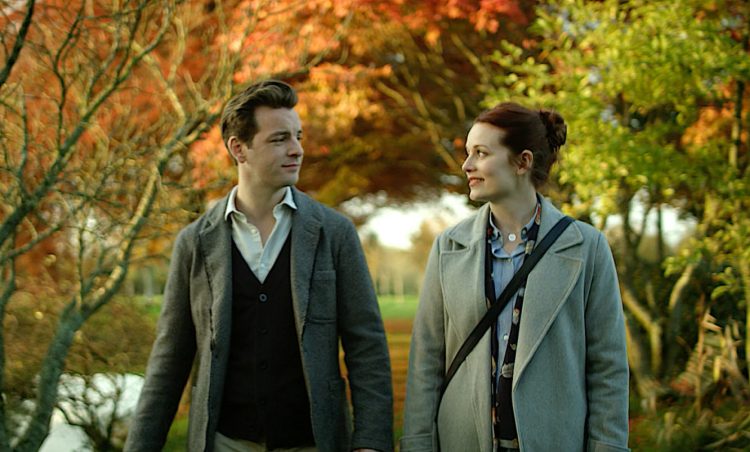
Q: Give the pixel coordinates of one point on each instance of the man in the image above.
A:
(261, 289)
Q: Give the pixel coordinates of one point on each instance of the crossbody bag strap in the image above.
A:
(492, 313)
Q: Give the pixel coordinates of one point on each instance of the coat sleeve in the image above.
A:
(426, 363)
(171, 357)
(606, 358)
(365, 348)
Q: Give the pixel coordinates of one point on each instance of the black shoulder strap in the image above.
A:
(494, 311)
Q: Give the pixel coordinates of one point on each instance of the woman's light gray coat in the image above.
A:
(570, 386)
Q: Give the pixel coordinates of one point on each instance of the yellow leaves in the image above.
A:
(49, 260)
(432, 35)
(339, 97)
(344, 184)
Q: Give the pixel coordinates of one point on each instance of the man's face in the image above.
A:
(274, 156)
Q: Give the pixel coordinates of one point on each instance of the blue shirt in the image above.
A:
(504, 266)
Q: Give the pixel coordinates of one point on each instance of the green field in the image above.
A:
(393, 307)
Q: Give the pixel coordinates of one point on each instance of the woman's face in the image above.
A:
(492, 176)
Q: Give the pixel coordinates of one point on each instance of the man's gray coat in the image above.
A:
(333, 299)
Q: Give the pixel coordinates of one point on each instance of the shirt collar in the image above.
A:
(287, 200)
(497, 236)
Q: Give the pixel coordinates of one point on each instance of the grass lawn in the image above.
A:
(398, 313)
(393, 307)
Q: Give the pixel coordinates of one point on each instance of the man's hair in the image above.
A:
(238, 118)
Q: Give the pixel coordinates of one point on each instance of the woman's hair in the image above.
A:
(540, 131)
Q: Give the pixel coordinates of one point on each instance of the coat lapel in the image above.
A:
(548, 286)
(216, 247)
(306, 225)
(462, 273)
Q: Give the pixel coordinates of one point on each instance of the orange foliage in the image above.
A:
(712, 122)
(357, 140)
(483, 15)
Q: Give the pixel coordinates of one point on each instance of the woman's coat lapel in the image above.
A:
(548, 286)
(462, 276)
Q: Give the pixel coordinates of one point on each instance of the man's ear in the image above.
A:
(236, 149)
(525, 161)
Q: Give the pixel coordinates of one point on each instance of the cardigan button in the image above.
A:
(263, 298)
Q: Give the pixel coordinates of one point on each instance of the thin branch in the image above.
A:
(70, 37)
(166, 85)
(306, 67)
(61, 223)
(114, 50)
(187, 133)
(11, 60)
(24, 149)
(30, 203)
(484, 73)
(642, 229)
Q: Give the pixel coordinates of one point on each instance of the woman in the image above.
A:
(555, 374)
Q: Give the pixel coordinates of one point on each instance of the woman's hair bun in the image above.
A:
(557, 131)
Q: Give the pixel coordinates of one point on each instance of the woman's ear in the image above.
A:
(525, 162)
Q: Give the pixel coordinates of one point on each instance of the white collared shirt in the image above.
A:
(246, 236)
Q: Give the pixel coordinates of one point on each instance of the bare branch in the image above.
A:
(12, 58)
(24, 150)
(485, 75)
(63, 154)
(166, 84)
(70, 37)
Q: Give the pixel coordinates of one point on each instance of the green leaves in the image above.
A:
(649, 90)
(631, 79)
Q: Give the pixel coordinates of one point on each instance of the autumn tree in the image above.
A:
(100, 104)
(386, 111)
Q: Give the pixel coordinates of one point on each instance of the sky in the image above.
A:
(395, 226)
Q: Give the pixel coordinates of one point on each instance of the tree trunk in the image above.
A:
(9, 287)
(649, 324)
(744, 267)
(675, 314)
(52, 367)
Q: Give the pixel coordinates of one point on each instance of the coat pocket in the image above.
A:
(322, 308)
